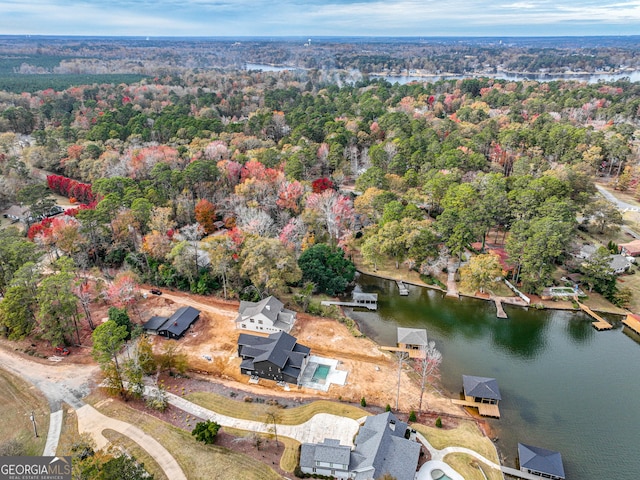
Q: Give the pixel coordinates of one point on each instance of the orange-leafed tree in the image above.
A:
(205, 214)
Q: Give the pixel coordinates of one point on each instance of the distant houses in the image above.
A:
(268, 315)
(175, 326)
(277, 357)
(631, 249)
(540, 462)
(380, 448)
(618, 264)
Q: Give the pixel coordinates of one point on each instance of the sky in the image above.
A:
(320, 17)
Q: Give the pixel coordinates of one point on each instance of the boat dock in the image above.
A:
(600, 323)
(519, 474)
(359, 300)
(632, 322)
(413, 352)
(500, 310)
(484, 409)
(404, 291)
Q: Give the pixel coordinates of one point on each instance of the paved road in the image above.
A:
(616, 201)
(69, 383)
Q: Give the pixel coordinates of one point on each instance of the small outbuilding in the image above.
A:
(631, 249)
(541, 462)
(412, 338)
(175, 326)
(481, 389)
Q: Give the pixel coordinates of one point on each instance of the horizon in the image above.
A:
(320, 18)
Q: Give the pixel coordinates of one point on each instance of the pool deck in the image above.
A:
(425, 471)
(334, 376)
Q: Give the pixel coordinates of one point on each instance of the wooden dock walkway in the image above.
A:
(517, 473)
(413, 352)
(600, 323)
(404, 291)
(500, 310)
(370, 306)
(633, 323)
(484, 409)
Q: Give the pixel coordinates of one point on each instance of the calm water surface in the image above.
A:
(564, 386)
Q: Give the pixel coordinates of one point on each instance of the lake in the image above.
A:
(403, 79)
(564, 385)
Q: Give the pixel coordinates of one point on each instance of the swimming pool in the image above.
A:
(438, 474)
(321, 373)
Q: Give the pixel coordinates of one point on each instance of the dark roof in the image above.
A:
(540, 460)
(176, 324)
(182, 319)
(279, 348)
(380, 444)
(154, 323)
(481, 387)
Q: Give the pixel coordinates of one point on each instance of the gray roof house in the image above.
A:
(268, 315)
(277, 357)
(380, 447)
(412, 337)
(482, 389)
(617, 263)
(175, 326)
(541, 462)
(327, 458)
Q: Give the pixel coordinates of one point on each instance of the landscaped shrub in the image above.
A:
(387, 408)
(363, 402)
(412, 416)
(439, 422)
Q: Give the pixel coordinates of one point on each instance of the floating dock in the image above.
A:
(413, 352)
(404, 291)
(600, 323)
(500, 310)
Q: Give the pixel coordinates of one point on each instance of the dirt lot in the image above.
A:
(372, 373)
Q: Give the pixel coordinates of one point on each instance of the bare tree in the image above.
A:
(428, 366)
(401, 356)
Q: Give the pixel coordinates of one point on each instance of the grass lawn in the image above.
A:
(466, 434)
(467, 466)
(632, 282)
(18, 399)
(69, 434)
(198, 461)
(387, 268)
(258, 411)
(140, 454)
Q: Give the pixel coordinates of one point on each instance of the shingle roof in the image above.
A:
(412, 336)
(328, 451)
(380, 444)
(540, 460)
(269, 307)
(481, 387)
(279, 348)
(154, 323)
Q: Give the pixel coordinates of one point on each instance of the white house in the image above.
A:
(267, 316)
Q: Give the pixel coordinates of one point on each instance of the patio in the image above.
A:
(321, 373)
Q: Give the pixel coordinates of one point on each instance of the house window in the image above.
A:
(314, 469)
(252, 320)
(260, 322)
(244, 325)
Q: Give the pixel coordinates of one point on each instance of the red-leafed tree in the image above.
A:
(124, 291)
(70, 188)
(205, 214)
(289, 195)
(321, 184)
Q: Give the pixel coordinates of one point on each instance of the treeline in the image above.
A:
(223, 182)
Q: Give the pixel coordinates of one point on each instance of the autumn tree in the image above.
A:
(268, 264)
(482, 272)
(205, 214)
(220, 250)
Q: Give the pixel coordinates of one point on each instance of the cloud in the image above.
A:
(318, 17)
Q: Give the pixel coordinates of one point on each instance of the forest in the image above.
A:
(241, 183)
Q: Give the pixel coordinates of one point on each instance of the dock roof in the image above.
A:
(412, 336)
(541, 460)
(481, 387)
